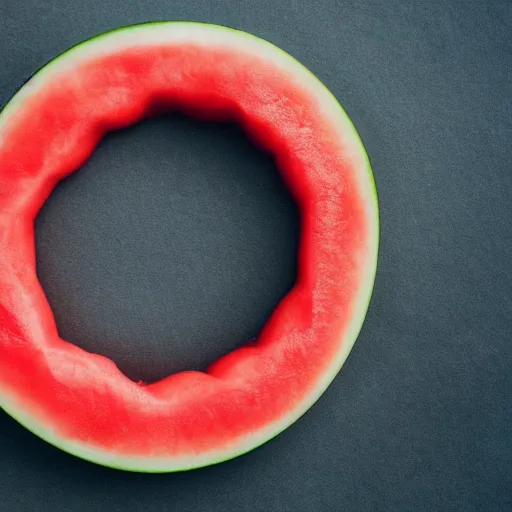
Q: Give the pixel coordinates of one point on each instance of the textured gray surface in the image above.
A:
(176, 240)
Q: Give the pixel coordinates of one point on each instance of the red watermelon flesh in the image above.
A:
(80, 401)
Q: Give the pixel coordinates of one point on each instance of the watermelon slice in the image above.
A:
(81, 402)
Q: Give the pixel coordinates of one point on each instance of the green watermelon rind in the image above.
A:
(161, 464)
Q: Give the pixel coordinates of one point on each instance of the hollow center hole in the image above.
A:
(169, 248)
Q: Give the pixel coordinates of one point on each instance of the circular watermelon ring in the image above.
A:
(81, 402)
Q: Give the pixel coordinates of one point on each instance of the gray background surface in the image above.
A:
(176, 240)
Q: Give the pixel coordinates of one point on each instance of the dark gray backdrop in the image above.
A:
(177, 239)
